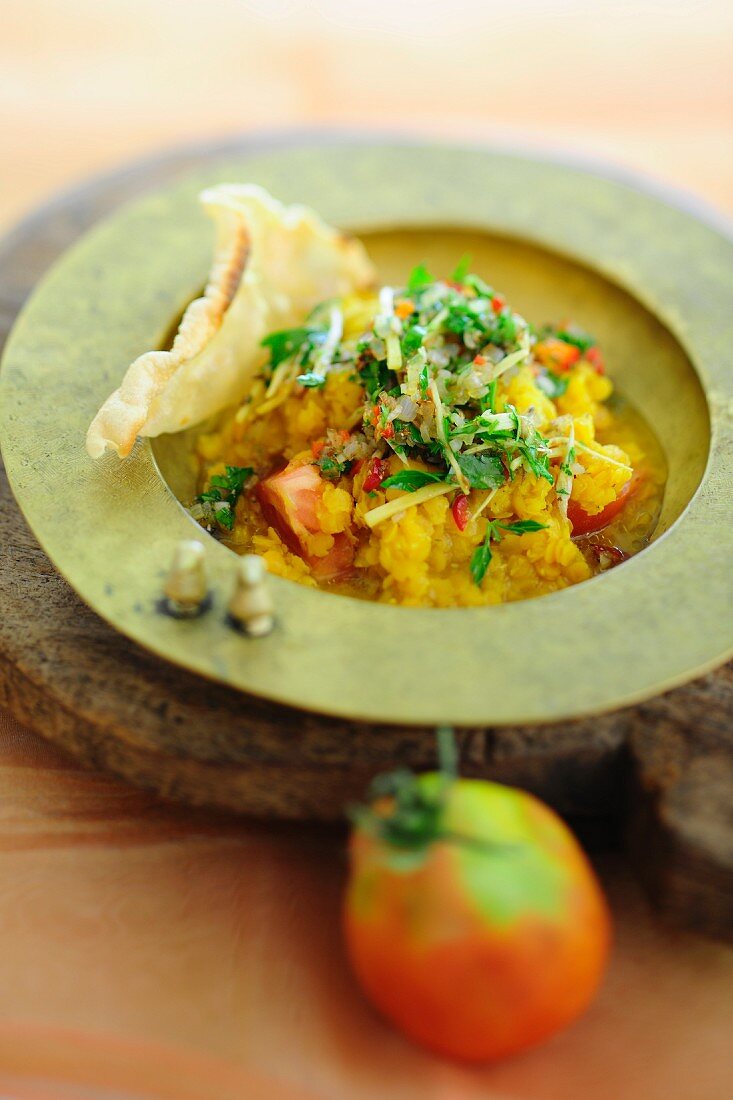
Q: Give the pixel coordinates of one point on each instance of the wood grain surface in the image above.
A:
(190, 942)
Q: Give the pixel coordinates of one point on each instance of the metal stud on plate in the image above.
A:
(251, 608)
(185, 591)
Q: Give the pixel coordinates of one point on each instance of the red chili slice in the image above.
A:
(498, 302)
(461, 512)
(377, 473)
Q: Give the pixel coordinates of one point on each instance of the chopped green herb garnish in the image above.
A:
(552, 385)
(419, 278)
(483, 471)
(410, 480)
(286, 343)
(223, 493)
(481, 557)
(376, 376)
(311, 380)
(575, 336)
(462, 268)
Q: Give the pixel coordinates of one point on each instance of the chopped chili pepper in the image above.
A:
(479, 360)
(461, 512)
(498, 302)
(344, 436)
(317, 447)
(388, 431)
(377, 473)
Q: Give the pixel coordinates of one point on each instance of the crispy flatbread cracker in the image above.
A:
(272, 265)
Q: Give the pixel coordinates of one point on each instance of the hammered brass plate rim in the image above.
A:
(74, 323)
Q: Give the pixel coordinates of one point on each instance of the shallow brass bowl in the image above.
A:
(653, 282)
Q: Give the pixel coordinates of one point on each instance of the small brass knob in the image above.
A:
(185, 590)
(251, 608)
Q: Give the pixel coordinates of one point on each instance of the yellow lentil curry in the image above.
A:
(426, 446)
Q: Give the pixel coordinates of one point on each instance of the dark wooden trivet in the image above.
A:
(660, 773)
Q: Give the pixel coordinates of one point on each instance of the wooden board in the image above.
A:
(662, 772)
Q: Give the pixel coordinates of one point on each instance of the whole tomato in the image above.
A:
(473, 920)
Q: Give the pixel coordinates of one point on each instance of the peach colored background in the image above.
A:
(144, 947)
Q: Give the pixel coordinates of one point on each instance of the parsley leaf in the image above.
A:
(419, 278)
(410, 480)
(482, 471)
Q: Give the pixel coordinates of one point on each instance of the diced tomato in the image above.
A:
(461, 512)
(378, 471)
(289, 503)
(337, 564)
(498, 302)
(585, 524)
(556, 354)
(595, 358)
(317, 447)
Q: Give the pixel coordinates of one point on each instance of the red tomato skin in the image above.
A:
(585, 524)
(454, 980)
(289, 501)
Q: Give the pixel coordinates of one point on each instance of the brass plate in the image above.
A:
(652, 281)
